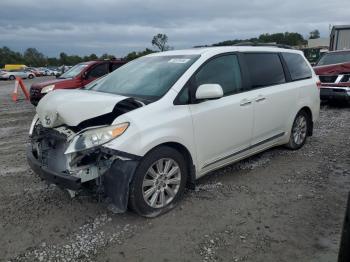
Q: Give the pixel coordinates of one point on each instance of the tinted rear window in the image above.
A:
(265, 69)
(297, 66)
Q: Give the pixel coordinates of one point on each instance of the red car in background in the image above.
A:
(333, 70)
(76, 77)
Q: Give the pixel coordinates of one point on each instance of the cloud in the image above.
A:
(118, 27)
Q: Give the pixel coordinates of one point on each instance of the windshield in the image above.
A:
(146, 77)
(334, 58)
(74, 71)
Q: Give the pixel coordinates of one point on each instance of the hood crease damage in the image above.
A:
(79, 109)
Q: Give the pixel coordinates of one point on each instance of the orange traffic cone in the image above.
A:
(15, 91)
(19, 82)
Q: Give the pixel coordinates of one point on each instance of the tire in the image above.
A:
(12, 77)
(148, 189)
(31, 76)
(52, 74)
(299, 131)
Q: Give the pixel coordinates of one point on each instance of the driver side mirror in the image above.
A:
(209, 91)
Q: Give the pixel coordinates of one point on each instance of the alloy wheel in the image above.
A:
(299, 130)
(161, 182)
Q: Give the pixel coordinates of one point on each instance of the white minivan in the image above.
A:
(143, 133)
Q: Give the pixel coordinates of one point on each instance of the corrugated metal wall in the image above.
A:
(342, 39)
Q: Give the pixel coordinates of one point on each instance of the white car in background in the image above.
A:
(152, 127)
(52, 72)
(11, 75)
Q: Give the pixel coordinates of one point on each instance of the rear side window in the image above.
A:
(265, 69)
(297, 66)
(223, 70)
(115, 66)
(99, 70)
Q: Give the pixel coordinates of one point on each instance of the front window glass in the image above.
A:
(74, 71)
(334, 58)
(146, 77)
(223, 70)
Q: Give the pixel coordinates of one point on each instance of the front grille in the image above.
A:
(51, 146)
(346, 78)
(328, 79)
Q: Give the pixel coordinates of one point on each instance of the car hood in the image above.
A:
(50, 82)
(334, 69)
(71, 107)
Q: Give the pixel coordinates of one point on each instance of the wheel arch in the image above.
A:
(308, 111)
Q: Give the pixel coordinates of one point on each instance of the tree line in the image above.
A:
(33, 57)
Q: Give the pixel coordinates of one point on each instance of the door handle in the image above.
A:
(245, 102)
(260, 98)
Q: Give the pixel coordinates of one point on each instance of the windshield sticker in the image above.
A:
(179, 60)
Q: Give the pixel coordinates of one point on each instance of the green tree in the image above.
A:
(63, 58)
(106, 56)
(133, 55)
(314, 34)
(93, 57)
(160, 41)
(33, 57)
(7, 56)
(53, 61)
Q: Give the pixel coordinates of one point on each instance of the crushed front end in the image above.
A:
(68, 138)
(100, 170)
(46, 156)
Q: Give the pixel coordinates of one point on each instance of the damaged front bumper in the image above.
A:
(106, 171)
(61, 179)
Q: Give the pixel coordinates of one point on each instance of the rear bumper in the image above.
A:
(335, 93)
(60, 179)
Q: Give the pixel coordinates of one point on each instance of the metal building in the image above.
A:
(340, 38)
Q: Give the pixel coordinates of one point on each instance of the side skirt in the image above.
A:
(244, 150)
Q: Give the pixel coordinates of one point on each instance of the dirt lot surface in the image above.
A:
(277, 206)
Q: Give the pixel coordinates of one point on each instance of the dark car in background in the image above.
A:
(76, 77)
(333, 70)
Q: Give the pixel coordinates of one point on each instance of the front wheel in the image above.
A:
(12, 77)
(299, 131)
(159, 182)
(31, 76)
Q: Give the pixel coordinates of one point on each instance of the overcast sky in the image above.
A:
(120, 26)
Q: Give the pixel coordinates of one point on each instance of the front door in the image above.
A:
(222, 127)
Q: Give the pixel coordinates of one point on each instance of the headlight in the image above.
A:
(47, 89)
(96, 137)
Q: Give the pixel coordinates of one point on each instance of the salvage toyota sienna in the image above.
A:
(143, 133)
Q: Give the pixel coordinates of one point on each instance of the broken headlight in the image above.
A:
(96, 137)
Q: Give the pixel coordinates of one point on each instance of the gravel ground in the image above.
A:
(277, 206)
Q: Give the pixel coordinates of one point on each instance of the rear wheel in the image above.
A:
(159, 182)
(299, 131)
(31, 76)
(12, 77)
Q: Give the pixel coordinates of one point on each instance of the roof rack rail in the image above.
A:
(263, 44)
